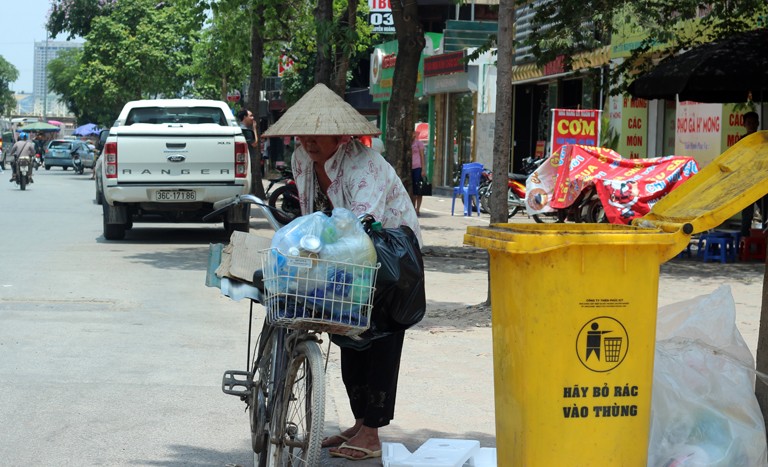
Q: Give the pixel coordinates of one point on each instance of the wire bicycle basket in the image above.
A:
(307, 292)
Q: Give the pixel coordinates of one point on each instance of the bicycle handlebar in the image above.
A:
(219, 207)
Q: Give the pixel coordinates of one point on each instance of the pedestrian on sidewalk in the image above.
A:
(333, 170)
(751, 124)
(417, 170)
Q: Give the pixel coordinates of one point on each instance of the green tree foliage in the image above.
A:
(221, 59)
(567, 27)
(74, 17)
(339, 42)
(62, 72)
(8, 74)
(141, 49)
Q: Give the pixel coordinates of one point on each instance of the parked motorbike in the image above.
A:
(285, 198)
(23, 171)
(515, 194)
(77, 164)
(586, 208)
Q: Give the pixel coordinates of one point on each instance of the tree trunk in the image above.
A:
(503, 121)
(254, 92)
(761, 386)
(410, 43)
(323, 23)
(342, 54)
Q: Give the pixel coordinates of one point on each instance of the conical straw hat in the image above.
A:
(322, 112)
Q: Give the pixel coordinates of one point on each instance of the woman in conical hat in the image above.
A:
(334, 170)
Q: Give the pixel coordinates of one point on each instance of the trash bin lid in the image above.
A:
(731, 182)
(526, 239)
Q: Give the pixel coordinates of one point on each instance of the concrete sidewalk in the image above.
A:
(446, 379)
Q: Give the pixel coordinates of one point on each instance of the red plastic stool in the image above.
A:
(753, 247)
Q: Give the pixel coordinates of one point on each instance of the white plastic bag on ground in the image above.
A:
(704, 411)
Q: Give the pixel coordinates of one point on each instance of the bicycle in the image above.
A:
(284, 386)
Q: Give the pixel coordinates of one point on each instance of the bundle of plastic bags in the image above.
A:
(704, 410)
(326, 262)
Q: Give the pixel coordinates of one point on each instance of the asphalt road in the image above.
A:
(111, 353)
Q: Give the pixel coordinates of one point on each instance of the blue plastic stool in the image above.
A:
(717, 247)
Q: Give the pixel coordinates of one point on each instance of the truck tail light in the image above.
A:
(110, 159)
(241, 160)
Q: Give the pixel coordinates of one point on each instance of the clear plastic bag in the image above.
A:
(704, 410)
(314, 257)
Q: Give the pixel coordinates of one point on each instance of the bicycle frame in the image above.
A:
(286, 369)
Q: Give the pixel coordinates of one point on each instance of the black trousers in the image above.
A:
(748, 212)
(370, 377)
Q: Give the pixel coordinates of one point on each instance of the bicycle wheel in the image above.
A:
(265, 368)
(297, 424)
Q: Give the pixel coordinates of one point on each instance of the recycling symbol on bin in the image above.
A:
(602, 344)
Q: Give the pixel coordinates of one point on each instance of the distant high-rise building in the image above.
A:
(45, 51)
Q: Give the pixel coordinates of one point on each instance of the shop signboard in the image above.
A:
(733, 124)
(285, 64)
(698, 130)
(574, 126)
(383, 60)
(633, 139)
(380, 16)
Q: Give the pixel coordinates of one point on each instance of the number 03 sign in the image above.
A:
(380, 16)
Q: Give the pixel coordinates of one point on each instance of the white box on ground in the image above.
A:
(438, 452)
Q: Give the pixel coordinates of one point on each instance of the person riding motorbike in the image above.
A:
(22, 147)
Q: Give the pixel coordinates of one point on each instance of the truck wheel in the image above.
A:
(111, 231)
(47, 167)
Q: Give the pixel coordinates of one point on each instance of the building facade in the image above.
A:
(45, 51)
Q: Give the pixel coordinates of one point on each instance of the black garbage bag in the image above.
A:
(400, 300)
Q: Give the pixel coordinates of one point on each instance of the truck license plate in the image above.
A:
(175, 195)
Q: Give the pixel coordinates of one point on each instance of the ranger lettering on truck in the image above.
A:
(176, 172)
(170, 160)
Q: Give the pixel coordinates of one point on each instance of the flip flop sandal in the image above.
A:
(343, 438)
(368, 454)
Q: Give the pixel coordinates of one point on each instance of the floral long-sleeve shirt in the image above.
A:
(361, 181)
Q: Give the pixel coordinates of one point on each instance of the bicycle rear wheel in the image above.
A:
(297, 423)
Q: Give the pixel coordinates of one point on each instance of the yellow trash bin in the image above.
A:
(574, 318)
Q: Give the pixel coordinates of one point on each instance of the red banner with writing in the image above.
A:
(574, 126)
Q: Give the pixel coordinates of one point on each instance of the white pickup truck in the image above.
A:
(169, 160)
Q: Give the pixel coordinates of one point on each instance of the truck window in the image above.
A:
(164, 115)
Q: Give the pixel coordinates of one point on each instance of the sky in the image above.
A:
(23, 24)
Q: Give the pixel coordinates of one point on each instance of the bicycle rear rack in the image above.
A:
(237, 383)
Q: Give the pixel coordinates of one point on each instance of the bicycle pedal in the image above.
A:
(237, 383)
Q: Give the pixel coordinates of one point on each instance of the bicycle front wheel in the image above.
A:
(297, 423)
